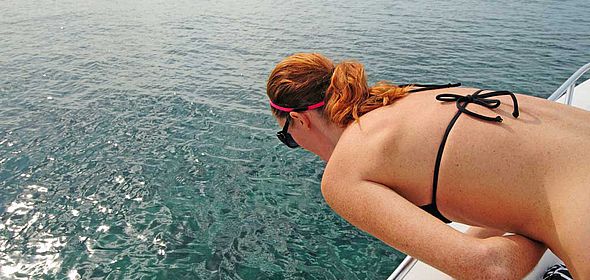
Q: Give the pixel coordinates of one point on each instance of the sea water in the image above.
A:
(136, 140)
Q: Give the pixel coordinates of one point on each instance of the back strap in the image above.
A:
(462, 101)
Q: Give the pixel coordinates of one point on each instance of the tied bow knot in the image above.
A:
(482, 100)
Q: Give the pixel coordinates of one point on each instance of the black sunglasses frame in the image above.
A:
(285, 136)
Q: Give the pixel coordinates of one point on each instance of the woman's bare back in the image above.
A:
(519, 175)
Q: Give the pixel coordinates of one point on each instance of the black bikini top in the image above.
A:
(461, 101)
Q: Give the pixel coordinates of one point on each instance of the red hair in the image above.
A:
(304, 79)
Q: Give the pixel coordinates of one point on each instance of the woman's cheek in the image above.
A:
(304, 141)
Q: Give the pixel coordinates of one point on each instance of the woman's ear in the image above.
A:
(301, 119)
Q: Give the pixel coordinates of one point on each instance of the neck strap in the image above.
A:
(429, 87)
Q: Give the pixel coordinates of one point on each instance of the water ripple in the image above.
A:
(136, 140)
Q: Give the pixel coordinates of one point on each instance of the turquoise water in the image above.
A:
(136, 142)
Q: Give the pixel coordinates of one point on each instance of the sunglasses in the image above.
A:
(284, 134)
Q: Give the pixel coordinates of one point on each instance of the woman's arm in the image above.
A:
(515, 252)
(512, 250)
(481, 232)
(381, 212)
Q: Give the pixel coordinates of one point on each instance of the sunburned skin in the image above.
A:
(527, 175)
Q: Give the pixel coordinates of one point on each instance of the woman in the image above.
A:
(400, 164)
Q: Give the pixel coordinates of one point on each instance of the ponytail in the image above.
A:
(349, 96)
(308, 78)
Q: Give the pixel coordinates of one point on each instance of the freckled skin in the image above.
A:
(529, 176)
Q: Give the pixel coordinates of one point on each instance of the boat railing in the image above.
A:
(403, 268)
(566, 88)
(569, 85)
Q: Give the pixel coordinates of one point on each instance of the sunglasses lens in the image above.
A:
(287, 139)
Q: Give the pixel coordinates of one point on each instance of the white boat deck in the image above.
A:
(421, 271)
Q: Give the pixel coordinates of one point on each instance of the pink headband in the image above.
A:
(284, 109)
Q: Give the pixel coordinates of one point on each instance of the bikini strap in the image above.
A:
(424, 87)
(482, 100)
(462, 101)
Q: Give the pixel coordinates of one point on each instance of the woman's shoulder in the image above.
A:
(361, 148)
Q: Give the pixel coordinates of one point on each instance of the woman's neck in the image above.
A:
(331, 135)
